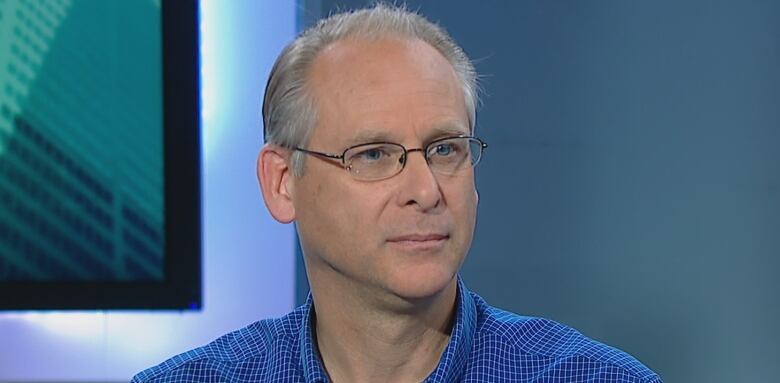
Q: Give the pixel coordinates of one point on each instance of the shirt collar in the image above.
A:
(451, 364)
(313, 371)
(453, 360)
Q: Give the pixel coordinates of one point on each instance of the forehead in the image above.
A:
(380, 85)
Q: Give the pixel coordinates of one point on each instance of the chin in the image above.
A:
(422, 283)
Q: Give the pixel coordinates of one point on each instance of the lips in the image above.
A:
(417, 243)
(419, 238)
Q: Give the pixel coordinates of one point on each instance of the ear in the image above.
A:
(275, 177)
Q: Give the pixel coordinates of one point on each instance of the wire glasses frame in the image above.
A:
(381, 160)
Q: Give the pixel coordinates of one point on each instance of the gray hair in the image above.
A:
(288, 109)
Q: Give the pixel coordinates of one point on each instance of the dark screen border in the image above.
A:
(181, 288)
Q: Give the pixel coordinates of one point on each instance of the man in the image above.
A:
(369, 121)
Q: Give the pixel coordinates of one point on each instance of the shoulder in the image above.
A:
(553, 349)
(245, 352)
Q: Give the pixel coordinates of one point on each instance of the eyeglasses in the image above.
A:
(380, 160)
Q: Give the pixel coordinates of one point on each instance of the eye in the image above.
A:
(444, 149)
(370, 155)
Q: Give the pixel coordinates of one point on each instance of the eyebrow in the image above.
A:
(438, 131)
(369, 136)
(446, 130)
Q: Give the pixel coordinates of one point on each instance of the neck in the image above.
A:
(361, 339)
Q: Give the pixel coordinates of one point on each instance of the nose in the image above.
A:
(419, 187)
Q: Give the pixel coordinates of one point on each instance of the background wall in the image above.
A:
(630, 188)
(632, 184)
(248, 257)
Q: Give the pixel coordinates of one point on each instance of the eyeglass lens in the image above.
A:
(383, 160)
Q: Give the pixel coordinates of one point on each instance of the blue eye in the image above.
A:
(371, 155)
(444, 149)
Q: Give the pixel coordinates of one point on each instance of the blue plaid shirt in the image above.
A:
(486, 345)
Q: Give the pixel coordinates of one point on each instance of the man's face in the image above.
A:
(406, 235)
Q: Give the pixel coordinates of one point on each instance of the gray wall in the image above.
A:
(631, 184)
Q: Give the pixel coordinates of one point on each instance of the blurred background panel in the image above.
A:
(81, 141)
(248, 259)
(632, 184)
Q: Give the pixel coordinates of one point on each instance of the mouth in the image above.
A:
(419, 242)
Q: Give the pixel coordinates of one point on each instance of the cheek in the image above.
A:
(312, 202)
(338, 211)
(462, 202)
(363, 214)
(462, 195)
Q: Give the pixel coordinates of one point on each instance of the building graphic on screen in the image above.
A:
(81, 140)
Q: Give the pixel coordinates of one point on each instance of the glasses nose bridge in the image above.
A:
(406, 153)
(405, 159)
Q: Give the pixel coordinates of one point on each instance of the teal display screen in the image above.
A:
(81, 141)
